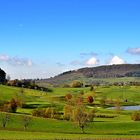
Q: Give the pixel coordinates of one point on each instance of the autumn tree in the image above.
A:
(90, 99)
(68, 109)
(13, 105)
(80, 117)
(10, 106)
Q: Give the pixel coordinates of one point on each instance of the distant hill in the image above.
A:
(89, 75)
(2, 76)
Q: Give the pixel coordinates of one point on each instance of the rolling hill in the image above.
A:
(90, 75)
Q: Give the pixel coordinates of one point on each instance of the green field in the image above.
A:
(120, 126)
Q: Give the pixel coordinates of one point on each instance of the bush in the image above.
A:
(135, 116)
(90, 99)
(92, 88)
(39, 112)
(81, 92)
(66, 86)
(68, 96)
(46, 113)
(76, 84)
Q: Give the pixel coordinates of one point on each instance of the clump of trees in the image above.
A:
(27, 84)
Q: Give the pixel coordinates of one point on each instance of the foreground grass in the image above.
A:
(18, 135)
(99, 127)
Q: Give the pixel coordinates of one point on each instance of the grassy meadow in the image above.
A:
(115, 125)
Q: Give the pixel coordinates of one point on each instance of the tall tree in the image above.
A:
(2, 76)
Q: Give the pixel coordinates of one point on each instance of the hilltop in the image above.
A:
(92, 74)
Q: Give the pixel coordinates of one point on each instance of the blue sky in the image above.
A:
(42, 38)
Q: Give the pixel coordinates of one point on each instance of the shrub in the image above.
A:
(76, 84)
(6, 107)
(90, 99)
(68, 96)
(46, 113)
(81, 92)
(92, 88)
(66, 86)
(38, 112)
(135, 116)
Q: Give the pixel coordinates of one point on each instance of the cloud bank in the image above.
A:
(133, 51)
(16, 61)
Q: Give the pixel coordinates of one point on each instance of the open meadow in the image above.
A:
(107, 123)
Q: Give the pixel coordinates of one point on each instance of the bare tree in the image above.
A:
(26, 120)
(5, 118)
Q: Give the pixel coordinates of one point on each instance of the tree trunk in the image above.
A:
(82, 128)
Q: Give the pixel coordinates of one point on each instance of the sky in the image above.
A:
(43, 38)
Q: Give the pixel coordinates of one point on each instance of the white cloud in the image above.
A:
(134, 51)
(16, 61)
(92, 61)
(116, 60)
(4, 57)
